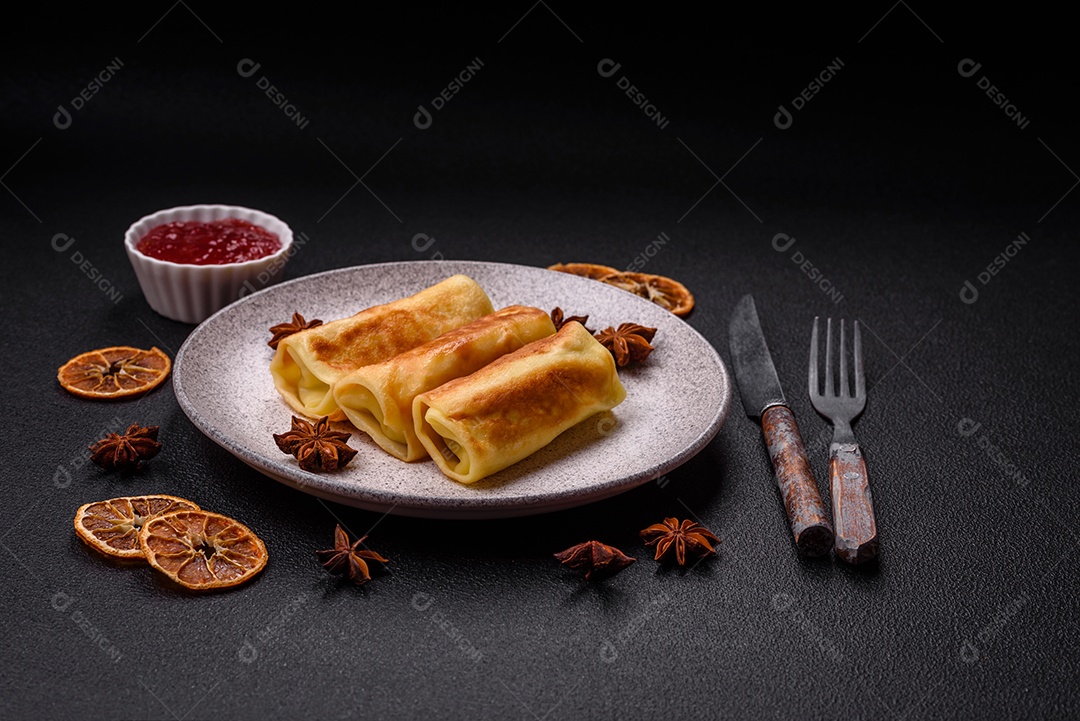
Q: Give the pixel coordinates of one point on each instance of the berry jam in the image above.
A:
(214, 243)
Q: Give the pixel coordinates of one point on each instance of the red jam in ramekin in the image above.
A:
(216, 242)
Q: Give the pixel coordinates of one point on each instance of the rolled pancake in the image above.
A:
(378, 398)
(308, 363)
(482, 423)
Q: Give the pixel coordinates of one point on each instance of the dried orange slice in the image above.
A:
(587, 270)
(665, 292)
(202, 550)
(113, 526)
(114, 372)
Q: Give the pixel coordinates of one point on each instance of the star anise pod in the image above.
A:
(349, 558)
(596, 558)
(559, 320)
(316, 447)
(284, 330)
(629, 344)
(125, 453)
(687, 538)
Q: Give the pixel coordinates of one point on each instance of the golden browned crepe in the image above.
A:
(482, 423)
(308, 363)
(378, 398)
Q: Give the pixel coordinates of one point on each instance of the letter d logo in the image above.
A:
(969, 293)
(781, 242)
(968, 67)
(62, 119)
(783, 118)
(967, 427)
(422, 119)
(61, 601)
(247, 653)
(607, 67)
(61, 242)
(421, 242)
(62, 477)
(247, 67)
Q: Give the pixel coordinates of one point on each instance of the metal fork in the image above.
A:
(852, 503)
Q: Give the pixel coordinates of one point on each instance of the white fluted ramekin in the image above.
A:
(192, 293)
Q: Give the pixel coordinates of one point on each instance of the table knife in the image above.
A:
(763, 399)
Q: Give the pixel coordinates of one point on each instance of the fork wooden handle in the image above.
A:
(809, 524)
(852, 503)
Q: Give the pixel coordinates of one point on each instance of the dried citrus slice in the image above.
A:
(588, 270)
(113, 526)
(202, 550)
(114, 372)
(665, 292)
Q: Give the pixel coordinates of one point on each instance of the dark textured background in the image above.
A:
(899, 181)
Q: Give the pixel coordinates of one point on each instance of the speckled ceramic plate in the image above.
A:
(675, 402)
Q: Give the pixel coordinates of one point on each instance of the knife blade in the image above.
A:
(763, 399)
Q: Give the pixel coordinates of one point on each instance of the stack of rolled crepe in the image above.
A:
(440, 373)
(309, 363)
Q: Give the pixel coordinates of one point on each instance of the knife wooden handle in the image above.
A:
(809, 523)
(852, 503)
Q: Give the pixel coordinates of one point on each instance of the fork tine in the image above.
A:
(815, 389)
(828, 359)
(860, 378)
(843, 362)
